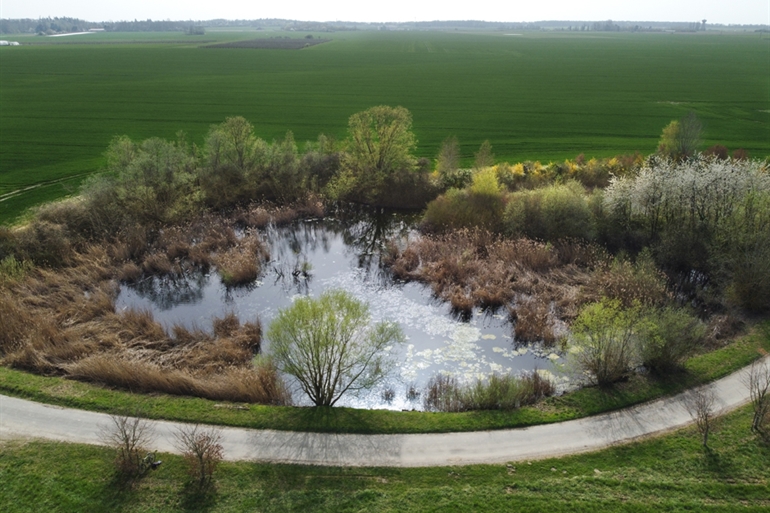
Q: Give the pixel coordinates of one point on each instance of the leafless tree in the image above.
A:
(130, 437)
(484, 157)
(700, 405)
(202, 450)
(758, 383)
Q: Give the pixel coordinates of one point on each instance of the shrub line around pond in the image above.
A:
(578, 404)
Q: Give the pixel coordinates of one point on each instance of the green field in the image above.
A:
(543, 96)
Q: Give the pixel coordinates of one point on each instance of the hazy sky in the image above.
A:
(716, 11)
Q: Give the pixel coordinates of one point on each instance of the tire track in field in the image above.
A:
(8, 195)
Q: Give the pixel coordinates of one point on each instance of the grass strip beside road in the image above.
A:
(582, 403)
(669, 473)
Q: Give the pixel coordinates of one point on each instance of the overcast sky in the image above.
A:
(715, 11)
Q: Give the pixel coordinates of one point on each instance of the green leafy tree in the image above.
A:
(380, 144)
(329, 345)
(668, 336)
(604, 341)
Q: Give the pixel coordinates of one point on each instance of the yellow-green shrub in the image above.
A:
(551, 213)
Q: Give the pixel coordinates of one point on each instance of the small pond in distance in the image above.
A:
(344, 252)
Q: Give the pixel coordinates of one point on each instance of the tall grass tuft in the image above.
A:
(498, 392)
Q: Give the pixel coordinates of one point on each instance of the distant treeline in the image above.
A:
(64, 25)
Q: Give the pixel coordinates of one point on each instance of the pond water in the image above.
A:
(344, 252)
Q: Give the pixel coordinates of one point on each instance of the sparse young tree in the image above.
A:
(484, 157)
(700, 405)
(329, 345)
(130, 437)
(449, 156)
(758, 383)
(202, 450)
(680, 139)
(448, 165)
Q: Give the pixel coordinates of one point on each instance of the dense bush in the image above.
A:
(630, 282)
(7, 242)
(604, 341)
(551, 213)
(667, 337)
(479, 205)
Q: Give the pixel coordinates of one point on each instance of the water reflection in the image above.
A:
(311, 256)
(166, 292)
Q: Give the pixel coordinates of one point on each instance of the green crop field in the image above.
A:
(544, 96)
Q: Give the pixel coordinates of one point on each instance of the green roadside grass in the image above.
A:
(669, 473)
(582, 403)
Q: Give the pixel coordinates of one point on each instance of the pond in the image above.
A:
(310, 256)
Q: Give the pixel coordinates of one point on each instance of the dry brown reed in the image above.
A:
(58, 316)
(474, 268)
(241, 264)
(533, 322)
(13, 324)
(158, 264)
(129, 273)
(251, 385)
(629, 282)
(63, 321)
(261, 215)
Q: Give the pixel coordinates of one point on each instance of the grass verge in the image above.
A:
(669, 473)
(582, 403)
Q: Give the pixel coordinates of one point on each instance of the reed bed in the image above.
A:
(262, 215)
(539, 283)
(61, 320)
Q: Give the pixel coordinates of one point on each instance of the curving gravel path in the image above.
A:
(21, 418)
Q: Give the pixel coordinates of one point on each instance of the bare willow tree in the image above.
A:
(329, 345)
(700, 404)
(758, 383)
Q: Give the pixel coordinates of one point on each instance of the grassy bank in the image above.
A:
(671, 473)
(585, 402)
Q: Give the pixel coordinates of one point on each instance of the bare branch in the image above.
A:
(131, 438)
(700, 404)
(758, 383)
(202, 450)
